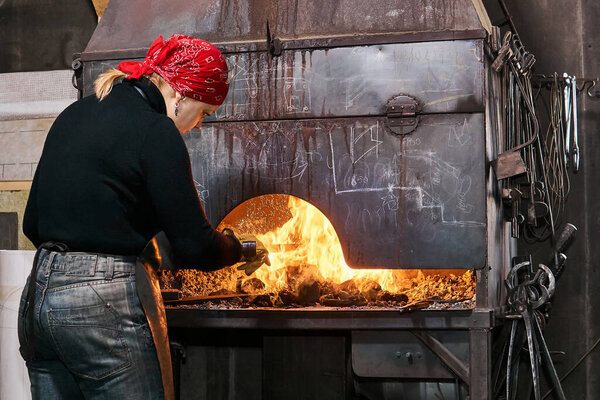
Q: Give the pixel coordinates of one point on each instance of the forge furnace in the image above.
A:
(382, 115)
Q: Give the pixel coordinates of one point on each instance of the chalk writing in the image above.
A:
(364, 138)
(442, 75)
(297, 95)
(459, 136)
(421, 177)
(203, 193)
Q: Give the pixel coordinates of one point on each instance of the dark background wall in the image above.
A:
(42, 35)
(564, 35)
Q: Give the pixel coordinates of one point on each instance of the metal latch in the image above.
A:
(401, 113)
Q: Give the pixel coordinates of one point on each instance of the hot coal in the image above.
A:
(286, 297)
(393, 297)
(329, 300)
(309, 292)
(348, 286)
(262, 300)
(370, 290)
(307, 289)
(252, 285)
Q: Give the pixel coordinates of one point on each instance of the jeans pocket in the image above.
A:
(90, 340)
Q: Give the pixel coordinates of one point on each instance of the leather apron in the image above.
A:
(156, 255)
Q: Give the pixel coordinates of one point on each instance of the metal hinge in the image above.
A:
(401, 113)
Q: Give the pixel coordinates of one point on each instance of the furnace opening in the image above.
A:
(308, 268)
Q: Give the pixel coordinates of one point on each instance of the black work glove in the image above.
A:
(254, 252)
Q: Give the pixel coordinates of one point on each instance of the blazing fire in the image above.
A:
(308, 267)
(309, 240)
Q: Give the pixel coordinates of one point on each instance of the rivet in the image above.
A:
(107, 305)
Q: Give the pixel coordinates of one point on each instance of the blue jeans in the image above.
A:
(92, 340)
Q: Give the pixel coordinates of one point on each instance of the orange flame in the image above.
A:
(308, 240)
(304, 248)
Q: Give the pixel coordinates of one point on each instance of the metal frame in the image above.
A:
(479, 322)
(319, 319)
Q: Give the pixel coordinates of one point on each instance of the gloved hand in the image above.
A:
(253, 262)
(254, 253)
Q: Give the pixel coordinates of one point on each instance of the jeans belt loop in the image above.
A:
(110, 268)
(49, 262)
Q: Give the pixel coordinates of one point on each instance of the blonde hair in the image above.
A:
(106, 80)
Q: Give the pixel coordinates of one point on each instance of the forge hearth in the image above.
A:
(431, 291)
(308, 269)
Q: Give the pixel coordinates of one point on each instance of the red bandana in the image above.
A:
(193, 67)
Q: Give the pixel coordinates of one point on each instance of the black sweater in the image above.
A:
(115, 172)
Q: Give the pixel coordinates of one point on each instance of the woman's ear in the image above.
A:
(178, 97)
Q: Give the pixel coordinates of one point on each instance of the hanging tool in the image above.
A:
(529, 290)
(575, 150)
(510, 162)
(591, 83)
(503, 54)
(564, 238)
(568, 114)
(512, 198)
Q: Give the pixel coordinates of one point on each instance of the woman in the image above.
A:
(114, 172)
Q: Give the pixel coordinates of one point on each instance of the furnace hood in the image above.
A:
(372, 111)
(129, 26)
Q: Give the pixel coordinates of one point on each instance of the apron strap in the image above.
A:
(156, 255)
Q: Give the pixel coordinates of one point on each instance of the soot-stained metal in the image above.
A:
(312, 120)
(406, 201)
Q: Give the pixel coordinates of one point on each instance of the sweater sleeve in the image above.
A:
(167, 169)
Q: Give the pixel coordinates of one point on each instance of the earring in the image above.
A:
(176, 109)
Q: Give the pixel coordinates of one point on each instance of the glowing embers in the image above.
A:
(308, 267)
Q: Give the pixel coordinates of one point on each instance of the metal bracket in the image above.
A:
(446, 356)
(273, 44)
(401, 113)
(77, 79)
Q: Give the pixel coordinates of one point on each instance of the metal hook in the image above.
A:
(592, 83)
